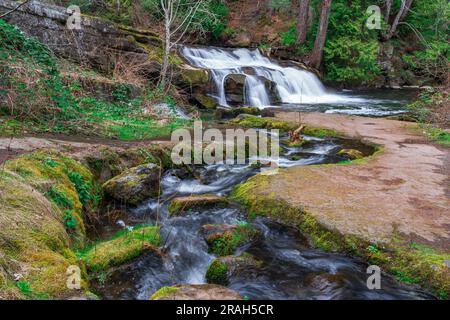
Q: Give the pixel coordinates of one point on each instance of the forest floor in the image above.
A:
(403, 190)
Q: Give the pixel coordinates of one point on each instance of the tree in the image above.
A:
(179, 16)
(302, 24)
(401, 14)
(319, 44)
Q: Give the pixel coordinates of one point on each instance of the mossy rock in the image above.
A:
(296, 144)
(351, 154)
(182, 205)
(194, 77)
(123, 247)
(107, 162)
(206, 101)
(222, 269)
(250, 121)
(223, 240)
(227, 113)
(134, 185)
(195, 292)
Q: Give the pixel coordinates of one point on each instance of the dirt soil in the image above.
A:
(402, 190)
(76, 146)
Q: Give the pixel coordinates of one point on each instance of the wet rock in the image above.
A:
(195, 292)
(134, 185)
(194, 77)
(225, 239)
(222, 269)
(234, 85)
(181, 205)
(228, 113)
(351, 154)
(325, 283)
(205, 100)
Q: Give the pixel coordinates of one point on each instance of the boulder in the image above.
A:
(222, 269)
(225, 239)
(181, 205)
(205, 100)
(234, 85)
(134, 185)
(195, 292)
(194, 77)
(351, 154)
(228, 113)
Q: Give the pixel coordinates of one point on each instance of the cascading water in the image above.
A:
(292, 84)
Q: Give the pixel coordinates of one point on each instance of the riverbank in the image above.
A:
(395, 200)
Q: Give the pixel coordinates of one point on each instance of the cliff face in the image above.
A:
(98, 42)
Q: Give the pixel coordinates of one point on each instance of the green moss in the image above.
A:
(123, 247)
(226, 243)
(250, 121)
(53, 174)
(320, 132)
(217, 273)
(164, 292)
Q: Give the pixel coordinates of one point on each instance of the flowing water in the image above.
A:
(290, 269)
(298, 89)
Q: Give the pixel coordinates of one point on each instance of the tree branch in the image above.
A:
(16, 8)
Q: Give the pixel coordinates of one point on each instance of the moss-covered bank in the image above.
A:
(45, 197)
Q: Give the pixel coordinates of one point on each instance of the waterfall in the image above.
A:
(293, 85)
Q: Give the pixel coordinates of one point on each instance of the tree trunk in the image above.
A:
(302, 26)
(317, 53)
(167, 45)
(387, 10)
(401, 14)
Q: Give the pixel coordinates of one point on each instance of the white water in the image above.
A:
(294, 85)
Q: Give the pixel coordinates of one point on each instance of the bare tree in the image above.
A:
(387, 10)
(319, 44)
(179, 17)
(405, 6)
(302, 24)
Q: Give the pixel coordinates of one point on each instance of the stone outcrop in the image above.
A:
(98, 42)
(134, 185)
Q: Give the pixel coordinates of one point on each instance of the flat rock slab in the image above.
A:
(402, 190)
(180, 205)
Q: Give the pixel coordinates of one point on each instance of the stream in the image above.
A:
(291, 269)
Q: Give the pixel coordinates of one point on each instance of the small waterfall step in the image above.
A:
(293, 85)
